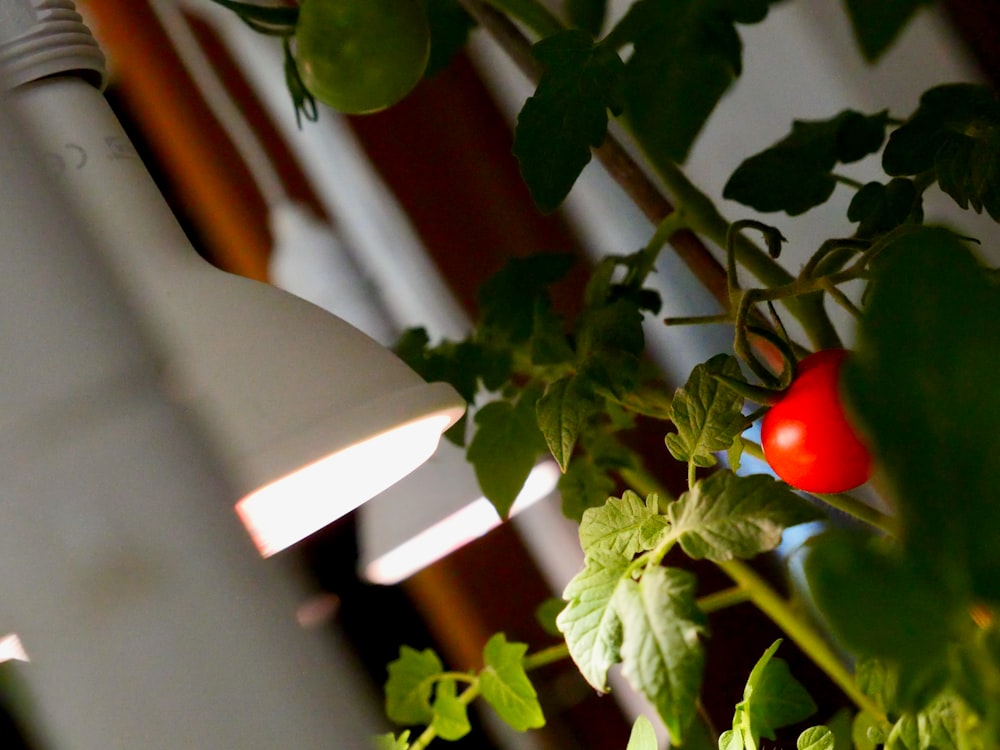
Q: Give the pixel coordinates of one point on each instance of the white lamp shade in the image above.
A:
(148, 618)
(277, 383)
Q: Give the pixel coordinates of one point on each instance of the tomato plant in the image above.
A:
(921, 672)
(807, 437)
(360, 56)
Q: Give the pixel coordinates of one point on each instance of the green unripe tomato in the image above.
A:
(360, 56)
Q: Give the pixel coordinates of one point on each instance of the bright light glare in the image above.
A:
(457, 530)
(12, 649)
(293, 507)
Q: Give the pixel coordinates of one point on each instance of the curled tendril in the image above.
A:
(305, 102)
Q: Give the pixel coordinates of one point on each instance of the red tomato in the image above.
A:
(806, 436)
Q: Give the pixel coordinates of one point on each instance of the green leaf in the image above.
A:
(584, 485)
(956, 133)
(505, 685)
(451, 716)
(796, 173)
(643, 735)
(732, 739)
(726, 515)
(547, 612)
(505, 448)
(707, 413)
(772, 699)
(648, 400)
(408, 689)
(905, 735)
(507, 299)
(877, 24)
(662, 654)
(563, 412)
(877, 680)
(389, 741)
(610, 343)
(879, 208)
(589, 622)
(588, 15)
(549, 343)
(686, 53)
(567, 114)
(816, 738)
(922, 387)
(623, 526)
(856, 585)
(866, 732)
(450, 26)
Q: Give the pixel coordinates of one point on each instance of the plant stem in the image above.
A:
(704, 218)
(532, 14)
(807, 639)
(723, 599)
(841, 501)
(546, 656)
(665, 230)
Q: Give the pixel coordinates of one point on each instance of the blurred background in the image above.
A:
(395, 219)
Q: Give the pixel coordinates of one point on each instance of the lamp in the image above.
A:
(310, 416)
(439, 507)
(149, 618)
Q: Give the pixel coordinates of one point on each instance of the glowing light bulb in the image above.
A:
(293, 507)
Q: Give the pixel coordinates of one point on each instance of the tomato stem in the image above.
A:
(799, 631)
(722, 599)
(841, 501)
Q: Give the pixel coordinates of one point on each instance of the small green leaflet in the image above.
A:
(507, 300)
(610, 343)
(936, 727)
(410, 684)
(662, 653)
(567, 114)
(585, 484)
(816, 738)
(878, 681)
(956, 133)
(505, 448)
(547, 612)
(796, 173)
(563, 411)
(506, 687)
(451, 717)
(686, 53)
(589, 622)
(772, 699)
(389, 741)
(877, 23)
(725, 516)
(878, 208)
(623, 526)
(707, 413)
(643, 735)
